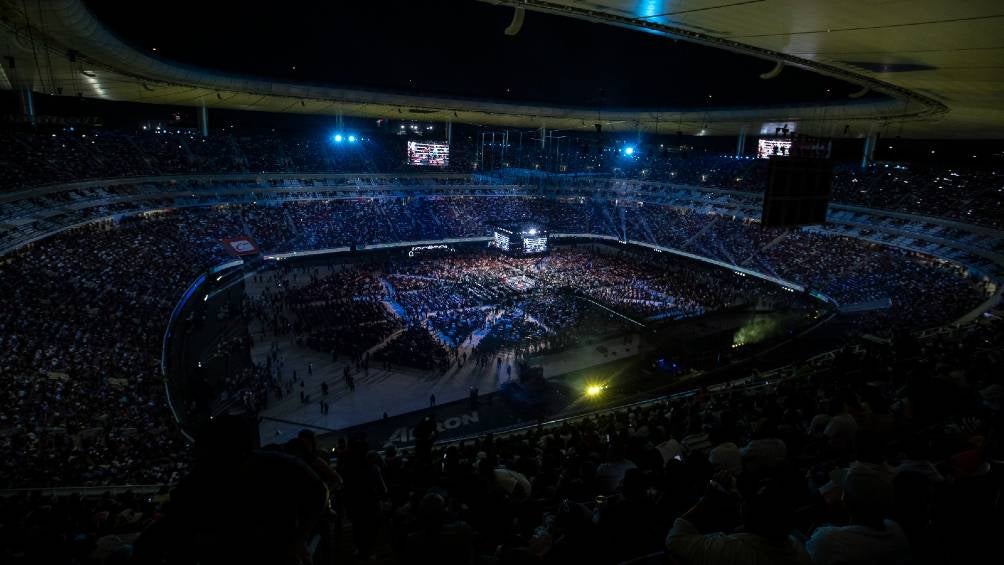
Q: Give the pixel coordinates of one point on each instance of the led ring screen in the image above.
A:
(428, 154)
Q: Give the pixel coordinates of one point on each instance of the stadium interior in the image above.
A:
(501, 282)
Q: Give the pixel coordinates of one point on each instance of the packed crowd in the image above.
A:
(889, 445)
(972, 195)
(878, 454)
(848, 269)
(923, 290)
(459, 295)
(80, 335)
(336, 310)
(76, 380)
(637, 289)
(32, 157)
(874, 454)
(968, 195)
(76, 529)
(38, 156)
(456, 326)
(610, 277)
(415, 347)
(511, 329)
(453, 301)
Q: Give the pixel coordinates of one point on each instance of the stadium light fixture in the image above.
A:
(352, 139)
(593, 391)
(337, 138)
(629, 150)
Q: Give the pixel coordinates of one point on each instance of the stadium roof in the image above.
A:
(939, 61)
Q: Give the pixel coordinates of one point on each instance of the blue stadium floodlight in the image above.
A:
(629, 150)
(352, 139)
(338, 138)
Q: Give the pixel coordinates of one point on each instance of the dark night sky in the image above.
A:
(454, 47)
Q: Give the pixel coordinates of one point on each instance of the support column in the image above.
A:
(26, 102)
(741, 142)
(505, 146)
(203, 117)
(481, 153)
(494, 153)
(868, 151)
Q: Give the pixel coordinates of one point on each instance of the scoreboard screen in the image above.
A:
(534, 245)
(767, 148)
(428, 154)
(521, 240)
(502, 241)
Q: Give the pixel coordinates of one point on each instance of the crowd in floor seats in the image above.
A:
(452, 292)
(337, 312)
(415, 347)
(790, 255)
(470, 299)
(459, 325)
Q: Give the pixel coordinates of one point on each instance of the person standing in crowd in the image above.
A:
(766, 510)
(870, 537)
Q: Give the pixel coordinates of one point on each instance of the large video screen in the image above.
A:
(502, 241)
(430, 154)
(767, 148)
(534, 245)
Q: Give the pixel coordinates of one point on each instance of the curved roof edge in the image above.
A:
(105, 67)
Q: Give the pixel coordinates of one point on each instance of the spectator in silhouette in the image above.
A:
(630, 524)
(364, 489)
(767, 511)
(239, 505)
(610, 473)
(439, 538)
(870, 537)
